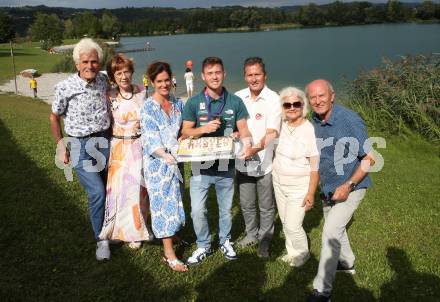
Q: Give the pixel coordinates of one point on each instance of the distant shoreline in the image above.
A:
(271, 27)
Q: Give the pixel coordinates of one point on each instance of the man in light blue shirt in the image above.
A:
(345, 159)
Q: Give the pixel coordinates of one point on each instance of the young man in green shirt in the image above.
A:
(214, 112)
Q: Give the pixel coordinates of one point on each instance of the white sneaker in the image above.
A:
(228, 250)
(102, 250)
(134, 245)
(198, 256)
(288, 259)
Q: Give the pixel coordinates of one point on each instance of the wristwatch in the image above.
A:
(352, 185)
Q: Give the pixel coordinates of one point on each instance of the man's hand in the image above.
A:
(342, 192)
(250, 152)
(308, 202)
(235, 135)
(246, 152)
(63, 153)
(212, 126)
(67, 157)
(182, 137)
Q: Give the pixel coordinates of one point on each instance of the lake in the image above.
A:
(292, 57)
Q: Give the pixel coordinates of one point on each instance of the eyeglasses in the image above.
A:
(288, 105)
(120, 74)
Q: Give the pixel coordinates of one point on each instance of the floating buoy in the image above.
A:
(189, 64)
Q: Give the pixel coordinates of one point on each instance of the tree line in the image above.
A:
(51, 25)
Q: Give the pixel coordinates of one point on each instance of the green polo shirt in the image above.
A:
(197, 110)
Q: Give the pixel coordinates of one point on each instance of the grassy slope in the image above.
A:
(47, 245)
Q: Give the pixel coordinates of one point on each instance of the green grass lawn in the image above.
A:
(26, 55)
(47, 246)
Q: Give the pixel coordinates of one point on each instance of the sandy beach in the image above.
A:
(46, 83)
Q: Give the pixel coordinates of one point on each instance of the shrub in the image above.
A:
(400, 97)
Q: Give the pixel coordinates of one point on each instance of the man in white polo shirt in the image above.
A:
(254, 175)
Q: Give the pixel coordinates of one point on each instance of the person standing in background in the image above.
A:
(174, 82)
(145, 82)
(189, 81)
(33, 85)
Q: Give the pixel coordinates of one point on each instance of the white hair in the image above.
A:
(290, 91)
(84, 46)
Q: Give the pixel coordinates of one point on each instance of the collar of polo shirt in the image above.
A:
(262, 95)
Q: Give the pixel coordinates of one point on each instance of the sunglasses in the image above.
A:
(294, 105)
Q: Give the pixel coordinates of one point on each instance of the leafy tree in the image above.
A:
(426, 10)
(311, 15)
(111, 26)
(254, 20)
(86, 24)
(236, 18)
(6, 28)
(147, 21)
(48, 29)
(396, 12)
(358, 12)
(69, 31)
(375, 14)
(338, 13)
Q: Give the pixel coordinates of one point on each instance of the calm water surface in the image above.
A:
(293, 57)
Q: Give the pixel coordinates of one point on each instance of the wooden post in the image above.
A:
(13, 66)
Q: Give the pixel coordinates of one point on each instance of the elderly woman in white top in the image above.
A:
(295, 173)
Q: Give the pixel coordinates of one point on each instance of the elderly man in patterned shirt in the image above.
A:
(81, 101)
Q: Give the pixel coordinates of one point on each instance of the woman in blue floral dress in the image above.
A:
(161, 118)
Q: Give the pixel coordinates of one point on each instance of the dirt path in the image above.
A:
(46, 83)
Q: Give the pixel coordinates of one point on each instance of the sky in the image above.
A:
(167, 3)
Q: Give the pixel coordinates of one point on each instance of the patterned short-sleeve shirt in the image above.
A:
(83, 105)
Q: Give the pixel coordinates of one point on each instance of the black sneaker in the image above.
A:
(344, 269)
(316, 296)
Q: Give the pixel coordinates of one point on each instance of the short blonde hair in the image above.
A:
(290, 91)
(118, 62)
(84, 46)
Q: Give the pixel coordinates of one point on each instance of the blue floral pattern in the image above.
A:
(160, 131)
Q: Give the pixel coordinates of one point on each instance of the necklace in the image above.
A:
(291, 129)
(125, 97)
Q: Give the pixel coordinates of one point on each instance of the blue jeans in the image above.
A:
(224, 187)
(93, 177)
